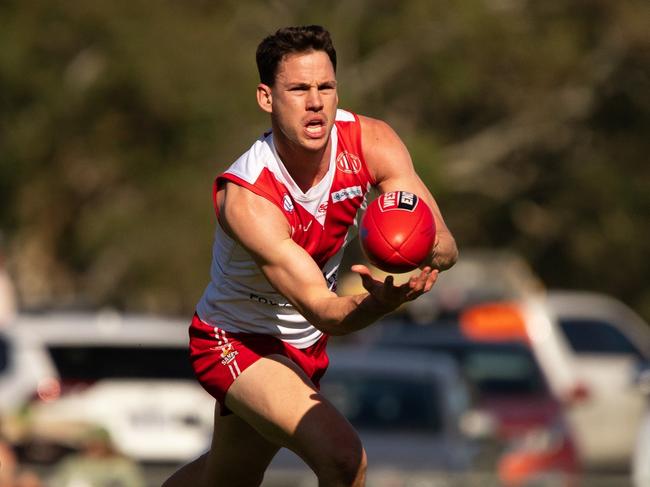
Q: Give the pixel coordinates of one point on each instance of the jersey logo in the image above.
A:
(348, 163)
(322, 208)
(287, 203)
(345, 193)
(398, 200)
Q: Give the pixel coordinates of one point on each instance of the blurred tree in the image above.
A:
(528, 120)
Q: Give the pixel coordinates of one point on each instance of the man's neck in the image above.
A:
(306, 168)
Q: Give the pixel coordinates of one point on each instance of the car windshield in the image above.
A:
(596, 336)
(503, 368)
(375, 402)
(90, 363)
(490, 369)
(501, 371)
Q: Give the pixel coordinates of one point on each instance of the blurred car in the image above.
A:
(588, 346)
(127, 374)
(406, 407)
(600, 341)
(531, 436)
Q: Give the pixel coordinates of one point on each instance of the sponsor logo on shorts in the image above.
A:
(228, 353)
(396, 200)
(346, 193)
(348, 163)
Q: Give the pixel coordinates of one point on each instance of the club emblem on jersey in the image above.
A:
(348, 163)
(287, 203)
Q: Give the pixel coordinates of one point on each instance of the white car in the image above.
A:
(589, 346)
(129, 375)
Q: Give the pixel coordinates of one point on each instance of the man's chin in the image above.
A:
(314, 145)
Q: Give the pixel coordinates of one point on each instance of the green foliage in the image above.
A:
(528, 120)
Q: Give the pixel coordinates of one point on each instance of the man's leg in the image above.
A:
(234, 444)
(276, 405)
(278, 400)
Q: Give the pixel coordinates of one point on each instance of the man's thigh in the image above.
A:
(279, 401)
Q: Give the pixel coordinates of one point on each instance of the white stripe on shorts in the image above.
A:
(232, 372)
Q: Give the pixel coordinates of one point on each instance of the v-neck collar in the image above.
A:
(316, 189)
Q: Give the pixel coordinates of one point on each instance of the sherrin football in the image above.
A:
(397, 231)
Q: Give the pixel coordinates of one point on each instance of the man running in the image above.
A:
(286, 209)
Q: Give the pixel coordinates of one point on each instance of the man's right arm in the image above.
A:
(261, 228)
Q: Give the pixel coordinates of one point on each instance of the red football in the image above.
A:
(397, 231)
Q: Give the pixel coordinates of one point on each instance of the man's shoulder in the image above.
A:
(251, 163)
(345, 116)
(363, 124)
(375, 129)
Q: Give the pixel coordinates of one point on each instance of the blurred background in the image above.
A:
(529, 122)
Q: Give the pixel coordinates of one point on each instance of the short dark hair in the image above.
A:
(289, 40)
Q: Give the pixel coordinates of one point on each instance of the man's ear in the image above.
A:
(264, 97)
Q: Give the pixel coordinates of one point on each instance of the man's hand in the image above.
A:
(388, 296)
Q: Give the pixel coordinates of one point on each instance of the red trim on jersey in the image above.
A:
(265, 179)
(356, 130)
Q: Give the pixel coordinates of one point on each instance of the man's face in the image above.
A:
(304, 99)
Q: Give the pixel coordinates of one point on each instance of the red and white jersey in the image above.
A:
(323, 221)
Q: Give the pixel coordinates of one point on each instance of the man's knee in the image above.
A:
(353, 468)
(346, 465)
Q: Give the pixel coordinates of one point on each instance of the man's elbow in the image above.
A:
(448, 257)
(451, 260)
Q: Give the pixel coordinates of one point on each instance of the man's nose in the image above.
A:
(314, 100)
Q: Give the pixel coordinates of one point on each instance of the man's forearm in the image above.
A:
(350, 314)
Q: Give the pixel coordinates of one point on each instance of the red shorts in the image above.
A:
(218, 357)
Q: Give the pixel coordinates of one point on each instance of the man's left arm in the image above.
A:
(391, 166)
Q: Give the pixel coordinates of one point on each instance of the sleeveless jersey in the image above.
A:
(323, 221)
